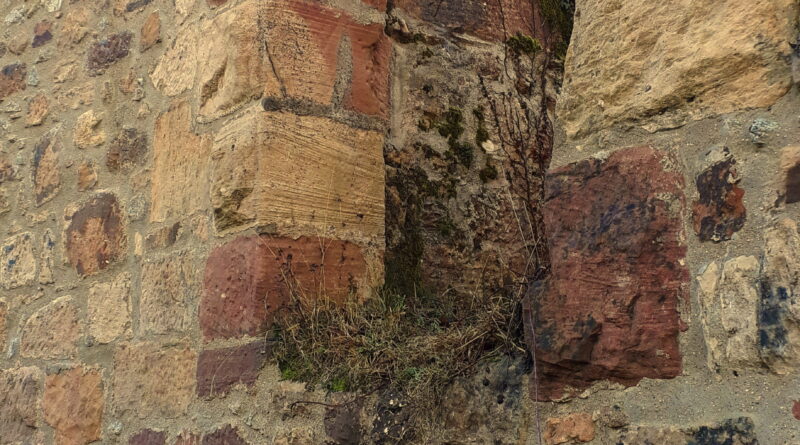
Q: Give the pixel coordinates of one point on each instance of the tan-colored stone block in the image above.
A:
(18, 261)
(153, 380)
(305, 174)
(109, 309)
(177, 68)
(180, 166)
(151, 31)
(168, 294)
(74, 27)
(46, 168)
(73, 405)
(95, 235)
(574, 428)
(88, 132)
(87, 176)
(52, 332)
(38, 108)
(20, 404)
(661, 64)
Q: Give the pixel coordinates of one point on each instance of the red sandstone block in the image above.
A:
(610, 309)
(494, 20)
(227, 435)
(218, 370)
(249, 278)
(148, 437)
(95, 234)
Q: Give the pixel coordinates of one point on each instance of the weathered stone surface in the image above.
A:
(336, 190)
(12, 79)
(719, 212)
(488, 20)
(73, 405)
(42, 33)
(789, 186)
(88, 132)
(715, 63)
(95, 234)
(181, 157)
(20, 404)
(168, 295)
(109, 309)
(729, 297)
(226, 435)
(46, 258)
(610, 307)
(87, 176)
(46, 168)
(218, 370)
(779, 310)
(150, 379)
(151, 31)
(177, 68)
(38, 108)
(3, 322)
(249, 278)
(163, 237)
(52, 332)
(574, 428)
(17, 261)
(105, 52)
(127, 149)
(74, 26)
(148, 437)
(187, 438)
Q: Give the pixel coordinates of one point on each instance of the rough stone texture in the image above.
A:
(87, 176)
(46, 258)
(152, 379)
(488, 20)
(336, 190)
(180, 163)
(3, 324)
(95, 234)
(46, 168)
(88, 132)
(219, 370)
(127, 149)
(42, 34)
(574, 428)
(12, 79)
(187, 438)
(151, 32)
(148, 437)
(73, 405)
(168, 294)
(20, 404)
(779, 311)
(610, 308)
(17, 261)
(729, 297)
(719, 212)
(789, 186)
(38, 109)
(715, 63)
(247, 280)
(109, 309)
(107, 51)
(52, 332)
(226, 435)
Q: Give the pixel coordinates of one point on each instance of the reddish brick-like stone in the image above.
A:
(227, 435)
(46, 171)
(610, 307)
(42, 34)
(105, 52)
(249, 278)
(95, 234)
(148, 437)
(220, 369)
(127, 149)
(796, 409)
(719, 212)
(73, 405)
(489, 20)
(12, 79)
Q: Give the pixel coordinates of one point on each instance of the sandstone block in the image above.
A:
(73, 405)
(52, 332)
(219, 370)
(180, 166)
(88, 132)
(109, 309)
(716, 64)
(128, 149)
(12, 79)
(719, 212)
(87, 176)
(574, 428)
(729, 297)
(46, 168)
(789, 186)
(17, 261)
(95, 234)
(38, 109)
(150, 379)
(42, 33)
(151, 32)
(168, 294)
(148, 437)
(226, 435)
(107, 51)
(610, 308)
(337, 189)
(488, 20)
(249, 278)
(20, 404)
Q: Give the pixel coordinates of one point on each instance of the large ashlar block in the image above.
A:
(666, 63)
(301, 175)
